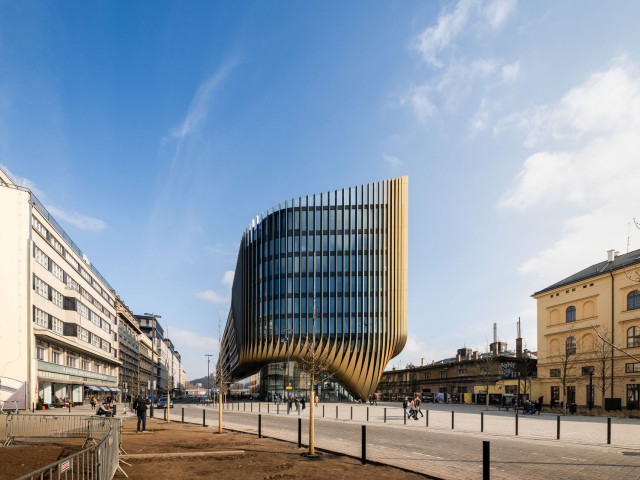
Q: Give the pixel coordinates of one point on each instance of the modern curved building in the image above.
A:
(348, 250)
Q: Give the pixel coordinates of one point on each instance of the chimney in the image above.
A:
(422, 362)
(519, 342)
(475, 355)
(612, 254)
(458, 357)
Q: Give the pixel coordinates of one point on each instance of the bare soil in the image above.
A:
(18, 460)
(264, 458)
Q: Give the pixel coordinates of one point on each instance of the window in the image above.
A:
(86, 365)
(426, 376)
(85, 275)
(633, 337)
(56, 244)
(571, 314)
(632, 367)
(555, 393)
(56, 357)
(41, 257)
(41, 288)
(554, 372)
(72, 284)
(633, 300)
(512, 389)
(39, 227)
(443, 374)
(570, 346)
(587, 370)
(83, 334)
(41, 354)
(72, 362)
(57, 298)
(95, 340)
(57, 271)
(462, 372)
(96, 368)
(41, 318)
(71, 260)
(56, 325)
(83, 310)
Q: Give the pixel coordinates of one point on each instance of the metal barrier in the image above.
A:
(96, 462)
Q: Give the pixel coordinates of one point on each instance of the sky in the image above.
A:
(155, 131)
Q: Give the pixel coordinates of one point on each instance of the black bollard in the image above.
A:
(260, 426)
(364, 444)
(182, 414)
(608, 430)
(405, 417)
(482, 421)
(252, 407)
(204, 424)
(322, 411)
(336, 411)
(558, 429)
(385, 414)
(452, 414)
(367, 414)
(352, 413)
(427, 419)
(516, 424)
(165, 414)
(486, 461)
(278, 409)
(299, 433)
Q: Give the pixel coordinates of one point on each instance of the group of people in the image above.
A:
(373, 399)
(298, 403)
(412, 407)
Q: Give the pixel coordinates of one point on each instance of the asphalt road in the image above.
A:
(445, 453)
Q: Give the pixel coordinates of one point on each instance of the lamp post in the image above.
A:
(208, 355)
(153, 345)
(286, 340)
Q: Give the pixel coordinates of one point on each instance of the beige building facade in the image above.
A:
(589, 334)
(58, 335)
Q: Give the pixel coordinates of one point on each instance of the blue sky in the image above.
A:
(155, 131)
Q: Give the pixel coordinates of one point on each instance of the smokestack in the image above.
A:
(422, 362)
(519, 342)
(475, 355)
(495, 332)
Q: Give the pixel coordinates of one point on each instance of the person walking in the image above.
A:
(375, 399)
(417, 407)
(303, 403)
(94, 401)
(140, 406)
(316, 399)
(289, 404)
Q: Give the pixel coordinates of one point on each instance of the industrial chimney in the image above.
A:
(519, 341)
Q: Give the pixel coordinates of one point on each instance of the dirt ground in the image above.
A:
(18, 460)
(264, 458)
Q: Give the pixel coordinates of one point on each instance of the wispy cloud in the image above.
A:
(390, 159)
(511, 72)
(594, 169)
(84, 222)
(199, 106)
(213, 297)
(435, 40)
(227, 278)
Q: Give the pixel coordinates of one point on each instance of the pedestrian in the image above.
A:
(303, 403)
(289, 404)
(553, 402)
(94, 401)
(297, 404)
(370, 399)
(375, 399)
(417, 407)
(539, 404)
(316, 399)
(140, 406)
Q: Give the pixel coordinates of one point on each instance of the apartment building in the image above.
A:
(57, 312)
(589, 334)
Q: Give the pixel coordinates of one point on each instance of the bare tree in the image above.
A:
(314, 358)
(487, 367)
(564, 359)
(525, 367)
(602, 363)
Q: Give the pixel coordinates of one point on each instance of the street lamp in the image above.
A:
(153, 366)
(208, 375)
(286, 340)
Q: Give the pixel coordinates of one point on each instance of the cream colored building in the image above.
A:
(57, 314)
(590, 322)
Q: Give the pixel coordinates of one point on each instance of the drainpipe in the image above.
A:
(612, 331)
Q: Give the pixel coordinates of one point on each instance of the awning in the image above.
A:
(114, 389)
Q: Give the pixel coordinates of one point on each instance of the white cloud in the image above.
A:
(465, 17)
(481, 118)
(199, 107)
(511, 72)
(418, 98)
(390, 159)
(192, 347)
(227, 278)
(78, 220)
(435, 39)
(497, 12)
(596, 172)
(213, 297)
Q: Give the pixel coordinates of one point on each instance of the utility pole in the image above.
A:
(208, 375)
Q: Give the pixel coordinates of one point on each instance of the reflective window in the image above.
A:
(332, 219)
(332, 243)
(633, 300)
(339, 219)
(633, 337)
(571, 314)
(303, 220)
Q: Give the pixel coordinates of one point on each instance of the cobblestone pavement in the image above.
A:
(445, 453)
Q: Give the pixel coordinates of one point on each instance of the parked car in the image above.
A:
(162, 403)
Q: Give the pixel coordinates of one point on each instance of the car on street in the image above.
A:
(162, 403)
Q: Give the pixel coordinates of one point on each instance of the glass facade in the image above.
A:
(340, 256)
